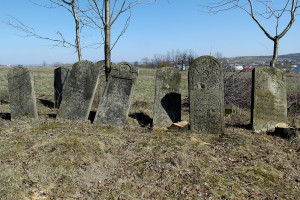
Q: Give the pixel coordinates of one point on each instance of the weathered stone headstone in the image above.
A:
(115, 103)
(21, 93)
(206, 95)
(79, 91)
(167, 100)
(100, 86)
(269, 101)
(61, 75)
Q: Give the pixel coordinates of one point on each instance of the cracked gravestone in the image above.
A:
(167, 100)
(115, 103)
(21, 93)
(79, 91)
(206, 95)
(269, 101)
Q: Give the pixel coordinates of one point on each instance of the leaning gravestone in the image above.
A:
(79, 91)
(21, 93)
(61, 75)
(100, 86)
(269, 102)
(206, 95)
(167, 100)
(115, 103)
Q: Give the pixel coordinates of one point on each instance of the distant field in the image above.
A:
(51, 159)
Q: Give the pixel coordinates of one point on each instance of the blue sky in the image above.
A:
(154, 29)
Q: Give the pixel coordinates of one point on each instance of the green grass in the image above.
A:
(51, 159)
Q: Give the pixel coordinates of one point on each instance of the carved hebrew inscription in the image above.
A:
(206, 95)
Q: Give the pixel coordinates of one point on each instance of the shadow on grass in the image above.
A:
(243, 126)
(143, 119)
(92, 116)
(47, 103)
(4, 102)
(52, 116)
(5, 116)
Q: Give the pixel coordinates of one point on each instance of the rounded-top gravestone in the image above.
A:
(206, 95)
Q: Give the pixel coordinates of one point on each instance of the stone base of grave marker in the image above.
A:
(269, 103)
(21, 93)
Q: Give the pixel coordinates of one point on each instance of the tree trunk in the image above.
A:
(78, 46)
(107, 30)
(275, 52)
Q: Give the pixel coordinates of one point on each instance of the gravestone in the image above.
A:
(206, 95)
(79, 91)
(269, 101)
(115, 103)
(167, 100)
(21, 93)
(101, 84)
(61, 75)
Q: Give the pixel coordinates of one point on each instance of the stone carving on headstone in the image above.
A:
(167, 100)
(206, 95)
(115, 102)
(21, 93)
(61, 75)
(269, 101)
(79, 91)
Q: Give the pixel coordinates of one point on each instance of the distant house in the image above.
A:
(238, 68)
(296, 69)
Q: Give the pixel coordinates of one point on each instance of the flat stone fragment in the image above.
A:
(79, 91)
(206, 95)
(21, 93)
(115, 103)
(167, 100)
(61, 75)
(269, 101)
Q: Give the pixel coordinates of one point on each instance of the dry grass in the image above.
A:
(50, 159)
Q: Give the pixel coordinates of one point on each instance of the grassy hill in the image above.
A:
(260, 59)
(61, 159)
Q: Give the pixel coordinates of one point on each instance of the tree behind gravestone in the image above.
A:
(206, 95)
(21, 93)
(281, 14)
(167, 101)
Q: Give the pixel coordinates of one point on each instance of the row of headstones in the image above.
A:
(78, 93)
(206, 95)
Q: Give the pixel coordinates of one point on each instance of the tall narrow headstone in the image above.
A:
(206, 95)
(79, 91)
(21, 93)
(269, 101)
(167, 100)
(60, 78)
(115, 103)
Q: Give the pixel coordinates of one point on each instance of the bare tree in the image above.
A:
(102, 16)
(72, 6)
(262, 9)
